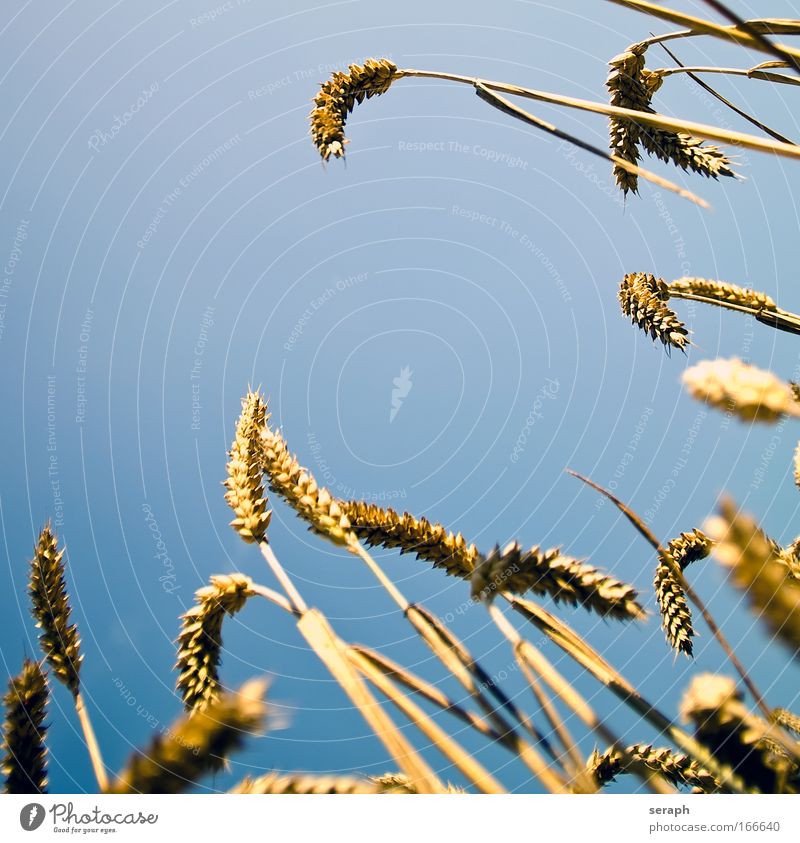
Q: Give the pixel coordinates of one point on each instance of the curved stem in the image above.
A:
(283, 578)
(646, 118)
(274, 597)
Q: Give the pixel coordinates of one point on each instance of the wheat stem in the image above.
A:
(92, 746)
(296, 600)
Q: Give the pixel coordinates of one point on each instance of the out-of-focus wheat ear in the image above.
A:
(297, 486)
(338, 97)
(431, 542)
(200, 638)
(58, 637)
(759, 571)
(298, 783)
(737, 737)
(741, 389)
(788, 719)
(676, 767)
(24, 764)
(561, 577)
(797, 465)
(196, 745)
(393, 783)
(642, 297)
(245, 492)
(628, 88)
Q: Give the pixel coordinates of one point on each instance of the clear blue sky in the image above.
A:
(169, 236)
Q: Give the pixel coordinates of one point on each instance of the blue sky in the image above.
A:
(169, 236)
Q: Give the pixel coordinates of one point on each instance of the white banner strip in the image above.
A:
(402, 819)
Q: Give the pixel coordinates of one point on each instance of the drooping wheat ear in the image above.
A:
(297, 486)
(759, 571)
(686, 152)
(302, 784)
(676, 616)
(58, 638)
(200, 638)
(643, 297)
(550, 572)
(338, 97)
(721, 292)
(24, 763)
(628, 88)
(750, 393)
(674, 766)
(196, 744)
(735, 735)
(245, 494)
(429, 541)
(788, 719)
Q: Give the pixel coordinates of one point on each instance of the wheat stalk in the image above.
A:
(196, 744)
(737, 737)
(338, 97)
(642, 298)
(677, 768)
(758, 569)
(200, 638)
(676, 616)
(561, 577)
(24, 763)
(750, 393)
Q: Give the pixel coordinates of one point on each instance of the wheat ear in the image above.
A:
(758, 570)
(200, 638)
(642, 297)
(24, 764)
(196, 744)
(676, 767)
(788, 719)
(750, 393)
(58, 637)
(735, 735)
(338, 97)
(297, 783)
(676, 616)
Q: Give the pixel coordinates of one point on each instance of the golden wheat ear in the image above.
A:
(737, 737)
(303, 784)
(197, 744)
(676, 616)
(245, 492)
(758, 569)
(51, 609)
(338, 97)
(200, 638)
(24, 764)
(642, 297)
(677, 768)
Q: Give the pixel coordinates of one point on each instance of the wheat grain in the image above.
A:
(722, 292)
(200, 638)
(297, 486)
(303, 784)
(24, 764)
(737, 737)
(676, 767)
(338, 97)
(195, 745)
(750, 393)
(245, 494)
(757, 569)
(642, 297)
(58, 638)
(561, 577)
